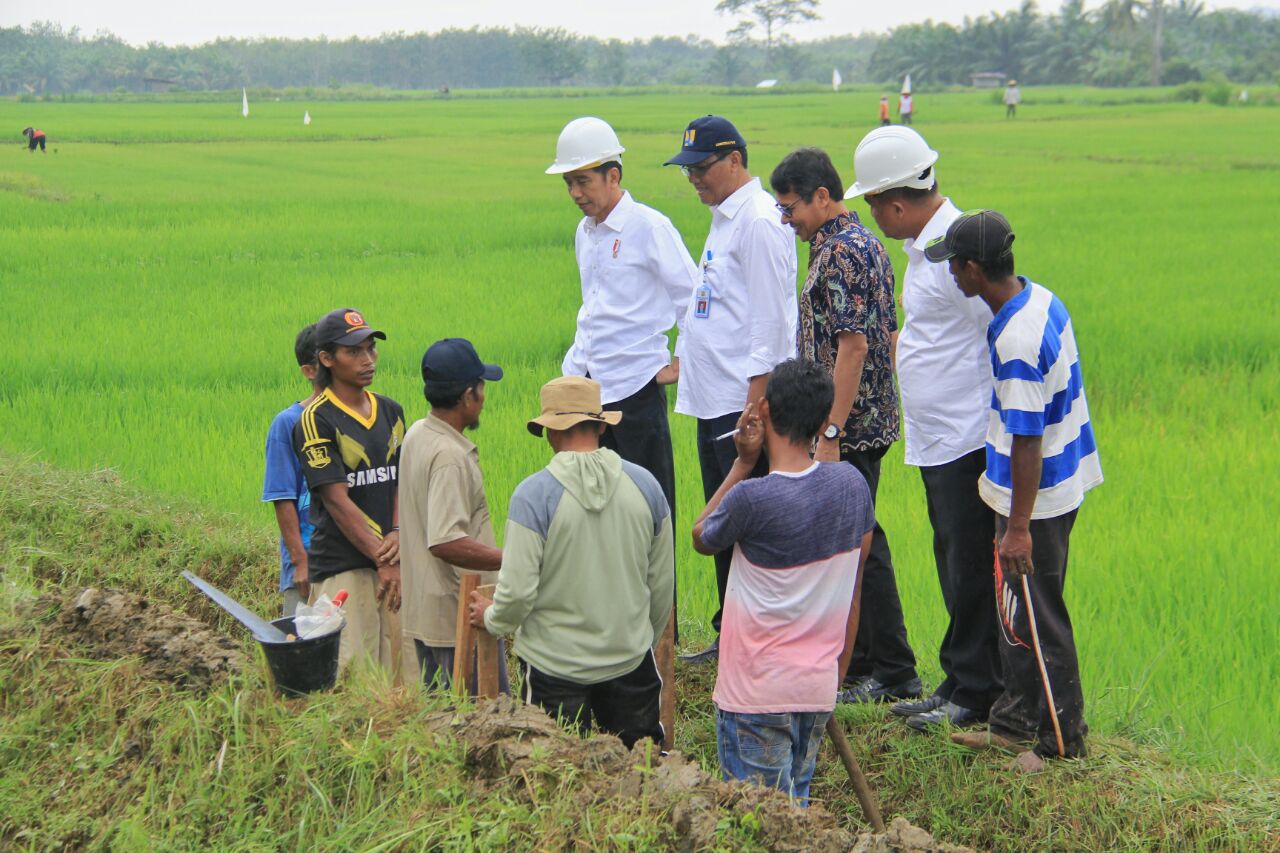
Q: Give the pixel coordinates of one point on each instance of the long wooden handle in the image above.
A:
(464, 636)
(486, 655)
(1044, 673)
(665, 655)
(861, 787)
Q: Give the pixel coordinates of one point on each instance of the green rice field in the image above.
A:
(157, 262)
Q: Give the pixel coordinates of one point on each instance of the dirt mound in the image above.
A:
(173, 647)
(518, 746)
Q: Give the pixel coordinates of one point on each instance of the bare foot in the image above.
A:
(985, 740)
(1028, 762)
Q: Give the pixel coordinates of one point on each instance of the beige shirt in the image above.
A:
(441, 500)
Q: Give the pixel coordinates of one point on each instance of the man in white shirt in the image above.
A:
(742, 319)
(944, 376)
(637, 278)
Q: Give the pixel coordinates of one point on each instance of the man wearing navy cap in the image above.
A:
(444, 513)
(348, 442)
(742, 319)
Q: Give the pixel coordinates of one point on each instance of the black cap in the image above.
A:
(455, 360)
(345, 327)
(706, 136)
(980, 235)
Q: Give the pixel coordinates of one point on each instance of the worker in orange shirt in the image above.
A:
(884, 111)
(35, 137)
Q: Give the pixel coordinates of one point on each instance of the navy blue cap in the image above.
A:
(980, 235)
(706, 136)
(345, 327)
(455, 360)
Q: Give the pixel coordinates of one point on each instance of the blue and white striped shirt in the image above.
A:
(1038, 391)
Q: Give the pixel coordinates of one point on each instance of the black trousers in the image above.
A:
(881, 649)
(715, 458)
(963, 537)
(1022, 711)
(643, 437)
(626, 706)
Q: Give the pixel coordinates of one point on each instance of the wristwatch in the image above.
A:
(832, 432)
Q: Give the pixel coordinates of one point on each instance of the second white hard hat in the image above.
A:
(889, 157)
(585, 142)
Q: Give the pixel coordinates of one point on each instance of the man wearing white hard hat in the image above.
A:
(944, 377)
(637, 278)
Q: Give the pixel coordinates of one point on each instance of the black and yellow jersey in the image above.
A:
(335, 444)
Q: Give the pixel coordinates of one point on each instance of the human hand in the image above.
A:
(749, 440)
(389, 586)
(828, 450)
(476, 606)
(669, 374)
(1015, 551)
(389, 551)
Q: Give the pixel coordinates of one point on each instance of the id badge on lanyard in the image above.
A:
(702, 296)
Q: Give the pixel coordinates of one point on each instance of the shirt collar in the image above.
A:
(617, 218)
(833, 226)
(731, 205)
(439, 427)
(936, 226)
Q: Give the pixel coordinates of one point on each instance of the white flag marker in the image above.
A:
(836, 79)
(306, 117)
(244, 94)
(906, 85)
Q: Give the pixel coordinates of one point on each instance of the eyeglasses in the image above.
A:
(785, 209)
(699, 169)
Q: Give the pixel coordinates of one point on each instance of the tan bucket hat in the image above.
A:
(570, 400)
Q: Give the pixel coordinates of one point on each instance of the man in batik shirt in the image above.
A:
(848, 325)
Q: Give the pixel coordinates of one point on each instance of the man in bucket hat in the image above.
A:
(587, 574)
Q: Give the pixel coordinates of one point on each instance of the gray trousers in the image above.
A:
(436, 665)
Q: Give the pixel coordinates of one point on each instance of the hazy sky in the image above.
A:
(139, 21)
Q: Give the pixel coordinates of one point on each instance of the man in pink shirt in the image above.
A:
(799, 537)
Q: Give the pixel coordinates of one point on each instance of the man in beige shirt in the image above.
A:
(445, 526)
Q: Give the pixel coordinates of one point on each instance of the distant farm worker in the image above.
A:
(884, 111)
(906, 106)
(637, 279)
(285, 486)
(35, 137)
(1041, 459)
(742, 318)
(587, 574)
(445, 526)
(791, 611)
(848, 325)
(348, 441)
(944, 376)
(1012, 97)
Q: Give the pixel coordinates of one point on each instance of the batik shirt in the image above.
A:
(849, 288)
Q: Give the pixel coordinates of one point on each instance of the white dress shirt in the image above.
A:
(637, 277)
(749, 267)
(944, 367)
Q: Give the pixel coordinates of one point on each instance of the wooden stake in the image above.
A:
(464, 636)
(486, 655)
(665, 656)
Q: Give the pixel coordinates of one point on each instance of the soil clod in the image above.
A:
(172, 646)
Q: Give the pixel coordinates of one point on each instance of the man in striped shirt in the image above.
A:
(1041, 459)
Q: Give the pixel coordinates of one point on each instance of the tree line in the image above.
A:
(1124, 43)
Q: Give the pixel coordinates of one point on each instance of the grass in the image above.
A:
(158, 261)
(95, 756)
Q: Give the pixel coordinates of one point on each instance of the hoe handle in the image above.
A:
(866, 798)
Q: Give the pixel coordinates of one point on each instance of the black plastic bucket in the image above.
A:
(303, 666)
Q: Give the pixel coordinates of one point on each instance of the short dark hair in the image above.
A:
(910, 195)
(800, 393)
(995, 269)
(741, 149)
(803, 171)
(304, 346)
(446, 395)
(603, 168)
(324, 376)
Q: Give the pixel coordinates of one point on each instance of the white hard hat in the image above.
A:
(585, 142)
(889, 157)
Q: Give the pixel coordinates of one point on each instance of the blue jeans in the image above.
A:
(772, 750)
